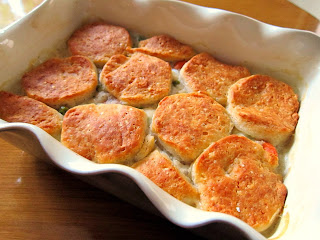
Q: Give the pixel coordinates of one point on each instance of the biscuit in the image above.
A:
(234, 176)
(187, 123)
(159, 169)
(165, 47)
(62, 81)
(14, 108)
(206, 74)
(139, 80)
(105, 133)
(263, 108)
(99, 41)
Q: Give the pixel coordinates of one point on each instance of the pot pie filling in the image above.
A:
(155, 105)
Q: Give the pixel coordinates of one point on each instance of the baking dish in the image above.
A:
(290, 55)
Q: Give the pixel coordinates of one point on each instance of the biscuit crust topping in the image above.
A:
(164, 47)
(264, 108)
(234, 176)
(158, 168)
(206, 74)
(99, 41)
(138, 80)
(15, 108)
(104, 133)
(121, 102)
(61, 81)
(188, 123)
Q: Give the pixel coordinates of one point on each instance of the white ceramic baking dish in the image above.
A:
(290, 55)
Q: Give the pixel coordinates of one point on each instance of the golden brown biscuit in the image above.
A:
(105, 133)
(99, 41)
(263, 108)
(62, 81)
(159, 169)
(138, 80)
(188, 123)
(14, 108)
(206, 74)
(234, 176)
(164, 47)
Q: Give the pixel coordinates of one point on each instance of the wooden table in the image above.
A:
(39, 201)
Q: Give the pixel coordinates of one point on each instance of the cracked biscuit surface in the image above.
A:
(164, 47)
(188, 123)
(235, 176)
(264, 108)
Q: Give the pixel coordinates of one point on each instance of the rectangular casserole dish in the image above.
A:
(290, 55)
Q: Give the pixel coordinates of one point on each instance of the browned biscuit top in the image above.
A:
(162, 172)
(138, 80)
(206, 74)
(114, 62)
(187, 123)
(99, 41)
(61, 81)
(234, 176)
(14, 108)
(164, 47)
(263, 107)
(105, 133)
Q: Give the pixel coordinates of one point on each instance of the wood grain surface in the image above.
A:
(39, 201)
